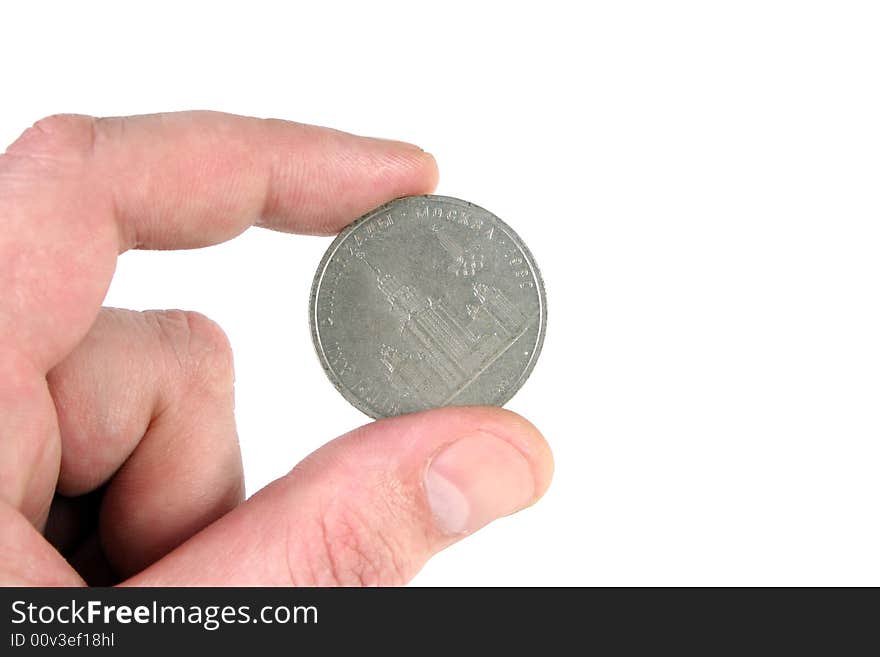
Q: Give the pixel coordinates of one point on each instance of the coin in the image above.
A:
(427, 301)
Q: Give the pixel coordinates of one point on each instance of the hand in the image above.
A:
(117, 426)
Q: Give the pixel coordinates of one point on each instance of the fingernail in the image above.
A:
(475, 480)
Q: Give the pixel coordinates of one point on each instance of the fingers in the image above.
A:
(148, 397)
(75, 191)
(372, 506)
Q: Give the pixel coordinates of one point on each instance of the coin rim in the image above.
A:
(336, 380)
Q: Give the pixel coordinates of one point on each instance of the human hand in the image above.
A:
(125, 419)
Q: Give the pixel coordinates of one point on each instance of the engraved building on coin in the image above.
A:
(427, 301)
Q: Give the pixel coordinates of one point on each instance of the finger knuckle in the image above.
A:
(200, 348)
(57, 137)
(353, 551)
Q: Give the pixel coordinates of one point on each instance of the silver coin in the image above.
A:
(427, 301)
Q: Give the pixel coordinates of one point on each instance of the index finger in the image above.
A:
(75, 191)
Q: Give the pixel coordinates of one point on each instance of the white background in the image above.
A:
(697, 180)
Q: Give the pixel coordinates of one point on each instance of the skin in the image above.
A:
(119, 459)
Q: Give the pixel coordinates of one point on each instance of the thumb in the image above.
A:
(372, 506)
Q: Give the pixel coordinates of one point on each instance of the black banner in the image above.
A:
(144, 621)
